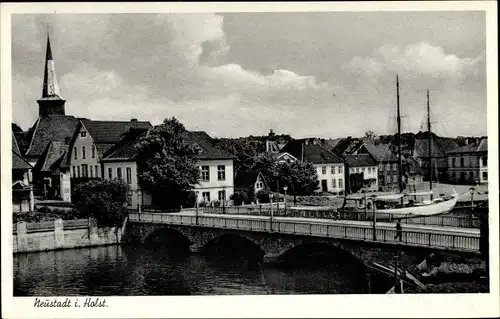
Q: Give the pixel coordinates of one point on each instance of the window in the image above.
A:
(75, 150)
(78, 170)
(394, 167)
(334, 183)
(74, 171)
(484, 159)
(222, 196)
(453, 162)
(462, 176)
(96, 171)
(357, 170)
(110, 172)
(93, 151)
(221, 172)
(205, 173)
(369, 170)
(91, 171)
(323, 170)
(83, 152)
(119, 172)
(83, 134)
(453, 176)
(129, 175)
(333, 169)
(340, 169)
(259, 185)
(129, 199)
(341, 183)
(363, 170)
(206, 196)
(485, 176)
(85, 170)
(462, 162)
(388, 167)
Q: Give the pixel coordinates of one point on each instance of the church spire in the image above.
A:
(51, 101)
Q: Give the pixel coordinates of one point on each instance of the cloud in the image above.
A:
(420, 59)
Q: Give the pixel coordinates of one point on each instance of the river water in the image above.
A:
(144, 271)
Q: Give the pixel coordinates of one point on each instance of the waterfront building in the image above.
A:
(469, 164)
(329, 167)
(250, 181)
(365, 166)
(22, 189)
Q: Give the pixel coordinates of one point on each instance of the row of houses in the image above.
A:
(62, 151)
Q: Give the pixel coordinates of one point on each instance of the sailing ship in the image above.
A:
(402, 204)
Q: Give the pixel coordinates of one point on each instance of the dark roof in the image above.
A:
(52, 156)
(477, 147)
(413, 166)
(381, 152)
(15, 146)
(202, 134)
(208, 149)
(111, 131)
(439, 147)
(50, 128)
(246, 179)
(126, 148)
(314, 151)
(18, 162)
(360, 160)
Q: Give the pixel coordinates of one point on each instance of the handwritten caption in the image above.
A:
(70, 302)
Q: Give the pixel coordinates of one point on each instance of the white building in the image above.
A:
(216, 170)
(366, 165)
(329, 167)
(469, 164)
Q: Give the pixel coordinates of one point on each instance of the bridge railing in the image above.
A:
(464, 242)
(436, 220)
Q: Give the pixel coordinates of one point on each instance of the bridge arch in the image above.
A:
(169, 238)
(319, 252)
(233, 244)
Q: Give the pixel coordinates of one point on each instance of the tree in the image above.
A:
(300, 177)
(102, 199)
(167, 164)
(268, 167)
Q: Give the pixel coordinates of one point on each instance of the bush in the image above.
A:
(238, 198)
(263, 196)
(103, 200)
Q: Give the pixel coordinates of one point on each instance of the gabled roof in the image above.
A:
(439, 147)
(15, 146)
(111, 131)
(381, 152)
(202, 134)
(126, 148)
(360, 160)
(49, 128)
(313, 151)
(208, 149)
(246, 179)
(477, 147)
(52, 156)
(18, 162)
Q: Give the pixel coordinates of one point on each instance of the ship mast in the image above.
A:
(429, 141)
(398, 140)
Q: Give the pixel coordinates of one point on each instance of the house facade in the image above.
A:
(216, 170)
(22, 189)
(363, 165)
(251, 180)
(469, 164)
(438, 161)
(329, 167)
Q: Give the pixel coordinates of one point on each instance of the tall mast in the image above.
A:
(429, 141)
(398, 140)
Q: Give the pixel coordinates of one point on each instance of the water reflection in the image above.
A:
(139, 270)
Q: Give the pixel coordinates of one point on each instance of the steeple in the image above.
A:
(51, 102)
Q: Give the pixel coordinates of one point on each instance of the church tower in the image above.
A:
(51, 103)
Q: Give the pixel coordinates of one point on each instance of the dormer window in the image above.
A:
(83, 134)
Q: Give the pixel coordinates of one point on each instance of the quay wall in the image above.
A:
(63, 234)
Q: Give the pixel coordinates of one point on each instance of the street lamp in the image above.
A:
(285, 188)
(271, 198)
(196, 201)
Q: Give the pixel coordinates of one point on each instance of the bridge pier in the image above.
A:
(271, 258)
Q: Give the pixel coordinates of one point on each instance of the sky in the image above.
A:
(323, 74)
